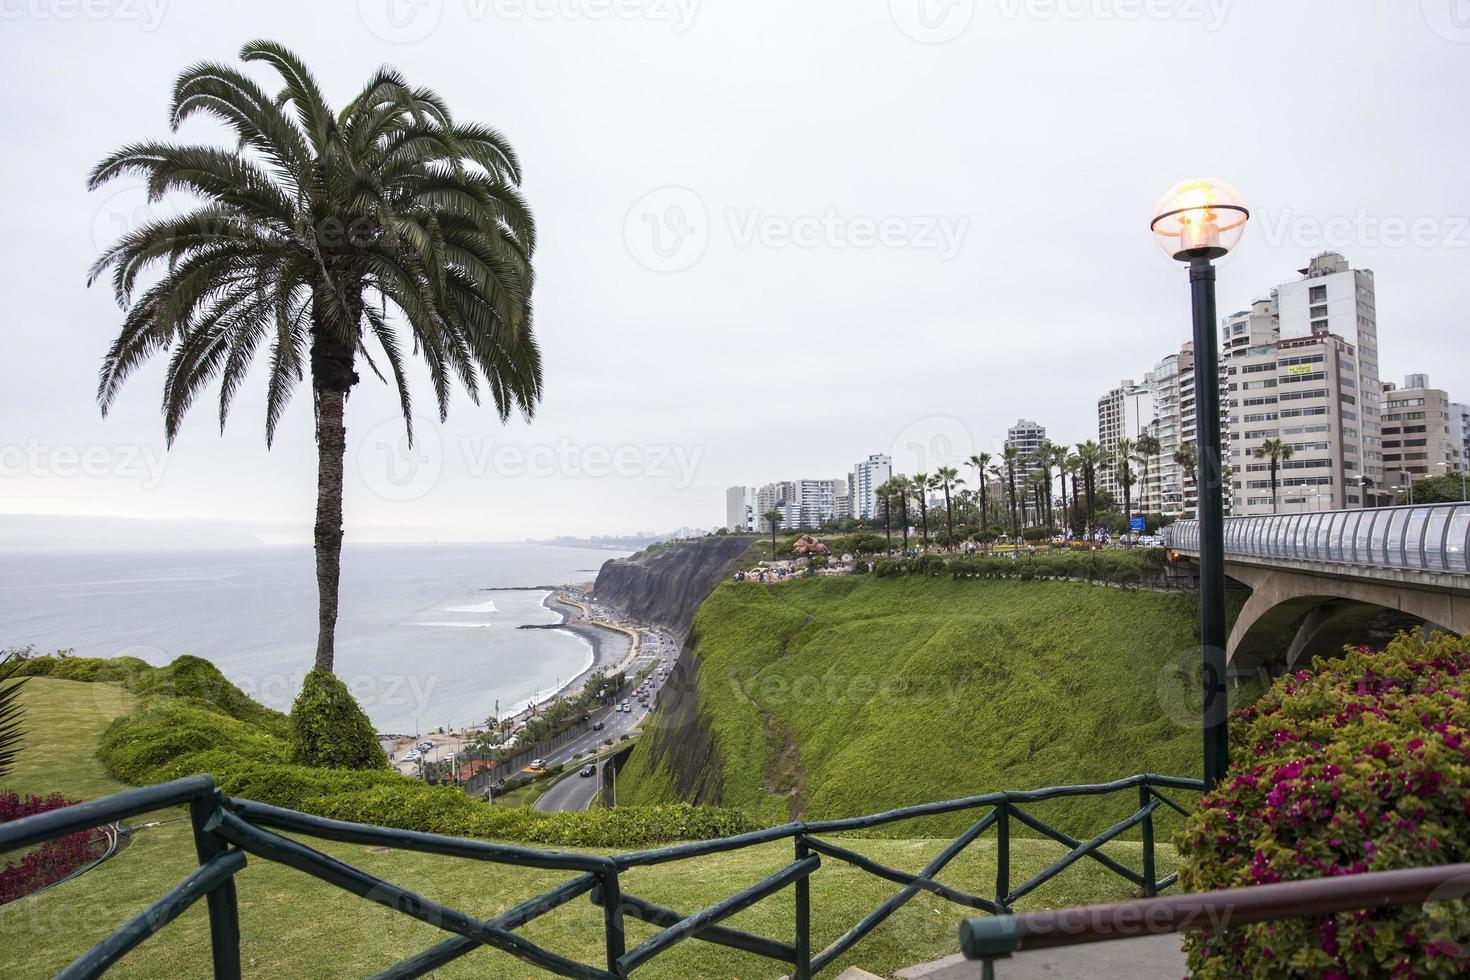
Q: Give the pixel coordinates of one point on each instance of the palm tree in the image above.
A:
(1092, 456)
(1144, 450)
(981, 463)
(948, 477)
(1122, 454)
(1277, 452)
(1187, 456)
(885, 494)
(1011, 456)
(12, 732)
(319, 234)
(773, 518)
(1044, 459)
(1073, 466)
(919, 487)
(998, 474)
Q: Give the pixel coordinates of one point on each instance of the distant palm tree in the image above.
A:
(1092, 456)
(919, 487)
(1187, 456)
(1145, 449)
(1011, 457)
(318, 233)
(981, 464)
(885, 494)
(948, 477)
(1277, 452)
(1074, 468)
(1123, 453)
(773, 518)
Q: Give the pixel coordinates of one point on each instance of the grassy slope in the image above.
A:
(295, 926)
(835, 697)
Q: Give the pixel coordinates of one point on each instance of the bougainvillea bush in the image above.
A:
(49, 862)
(1361, 764)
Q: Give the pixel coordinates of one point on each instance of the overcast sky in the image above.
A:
(775, 236)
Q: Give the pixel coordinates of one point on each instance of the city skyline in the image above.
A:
(905, 293)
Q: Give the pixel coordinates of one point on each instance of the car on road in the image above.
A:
(537, 764)
(587, 771)
(598, 726)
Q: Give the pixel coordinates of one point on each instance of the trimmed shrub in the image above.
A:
(193, 677)
(329, 730)
(143, 747)
(1362, 764)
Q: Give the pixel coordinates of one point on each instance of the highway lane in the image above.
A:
(577, 792)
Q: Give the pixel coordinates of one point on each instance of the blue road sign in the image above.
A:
(1136, 523)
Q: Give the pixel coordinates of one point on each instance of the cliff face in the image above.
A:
(666, 586)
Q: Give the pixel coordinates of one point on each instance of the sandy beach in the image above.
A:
(609, 646)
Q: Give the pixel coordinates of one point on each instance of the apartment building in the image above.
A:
(866, 478)
(740, 509)
(1423, 432)
(1302, 391)
(1128, 411)
(1331, 297)
(1026, 437)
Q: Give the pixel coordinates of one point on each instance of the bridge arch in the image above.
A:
(1329, 573)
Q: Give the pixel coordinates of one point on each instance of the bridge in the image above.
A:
(1322, 576)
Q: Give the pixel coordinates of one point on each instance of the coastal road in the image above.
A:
(577, 792)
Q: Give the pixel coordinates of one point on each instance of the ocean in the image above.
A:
(420, 640)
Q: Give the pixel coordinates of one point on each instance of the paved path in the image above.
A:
(1147, 958)
(574, 792)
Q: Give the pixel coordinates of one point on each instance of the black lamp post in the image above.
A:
(1198, 222)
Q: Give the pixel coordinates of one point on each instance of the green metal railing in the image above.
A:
(227, 829)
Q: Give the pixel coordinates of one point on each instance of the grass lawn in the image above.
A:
(293, 925)
(831, 697)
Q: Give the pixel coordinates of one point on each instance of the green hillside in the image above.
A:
(839, 696)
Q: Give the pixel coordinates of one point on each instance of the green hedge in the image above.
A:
(218, 730)
(1125, 567)
(1361, 765)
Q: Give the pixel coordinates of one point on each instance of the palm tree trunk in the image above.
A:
(948, 518)
(331, 449)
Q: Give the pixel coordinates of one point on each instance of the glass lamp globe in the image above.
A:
(1200, 219)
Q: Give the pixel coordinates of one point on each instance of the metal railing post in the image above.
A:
(612, 920)
(1150, 876)
(1002, 854)
(224, 906)
(803, 966)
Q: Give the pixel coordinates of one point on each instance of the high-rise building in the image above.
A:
(1334, 298)
(1026, 437)
(1302, 391)
(1126, 412)
(867, 477)
(778, 497)
(740, 512)
(1423, 432)
(801, 503)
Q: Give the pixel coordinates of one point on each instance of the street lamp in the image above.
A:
(1197, 222)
